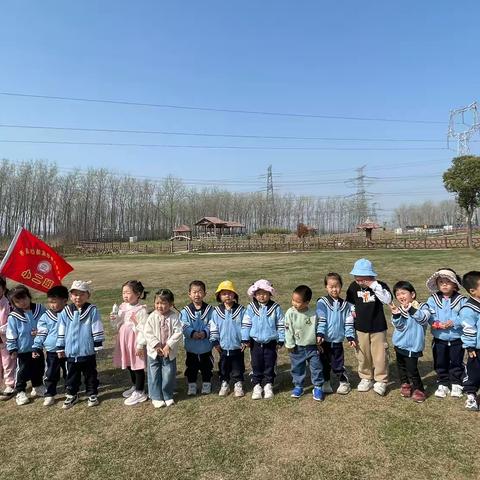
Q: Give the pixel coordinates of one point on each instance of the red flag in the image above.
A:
(32, 262)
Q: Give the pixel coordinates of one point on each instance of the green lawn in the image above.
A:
(346, 437)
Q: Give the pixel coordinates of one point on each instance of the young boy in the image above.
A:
(469, 317)
(368, 296)
(195, 318)
(46, 338)
(80, 336)
(301, 343)
(335, 323)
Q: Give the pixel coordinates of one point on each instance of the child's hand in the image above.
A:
(166, 351)
(34, 332)
(472, 354)
(245, 345)
(353, 343)
(113, 317)
(320, 340)
(218, 348)
(279, 347)
(394, 309)
(448, 324)
(35, 355)
(140, 353)
(61, 354)
(159, 352)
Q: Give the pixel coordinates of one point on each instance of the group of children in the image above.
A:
(38, 344)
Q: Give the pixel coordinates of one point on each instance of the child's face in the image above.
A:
(129, 296)
(196, 294)
(162, 306)
(298, 302)
(56, 304)
(333, 287)
(405, 297)
(23, 303)
(446, 286)
(79, 298)
(227, 297)
(364, 281)
(262, 296)
(475, 292)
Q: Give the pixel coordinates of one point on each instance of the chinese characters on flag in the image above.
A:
(32, 262)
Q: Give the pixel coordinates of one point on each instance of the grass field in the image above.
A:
(358, 436)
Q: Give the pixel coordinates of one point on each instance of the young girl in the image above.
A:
(263, 330)
(129, 321)
(7, 363)
(226, 336)
(448, 352)
(162, 332)
(410, 321)
(21, 330)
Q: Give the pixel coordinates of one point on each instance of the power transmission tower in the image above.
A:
(270, 198)
(466, 117)
(361, 195)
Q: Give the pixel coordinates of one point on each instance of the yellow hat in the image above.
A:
(226, 285)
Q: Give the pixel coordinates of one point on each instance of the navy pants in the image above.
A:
(408, 371)
(333, 360)
(52, 374)
(196, 362)
(231, 365)
(138, 379)
(264, 359)
(29, 368)
(448, 361)
(88, 367)
(471, 382)
(299, 358)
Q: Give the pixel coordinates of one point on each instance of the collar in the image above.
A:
(234, 311)
(454, 299)
(20, 313)
(474, 304)
(52, 315)
(192, 311)
(330, 302)
(84, 310)
(256, 306)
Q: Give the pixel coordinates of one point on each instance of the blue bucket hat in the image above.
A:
(363, 268)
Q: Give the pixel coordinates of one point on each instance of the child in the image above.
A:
(129, 322)
(7, 363)
(301, 343)
(448, 352)
(46, 338)
(21, 330)
(410, 321)
(469, 317)
(195, 318)
(226, 336)
(80, 336)
(335, 323)
(368, 296)
(162, 332)
(263, 330)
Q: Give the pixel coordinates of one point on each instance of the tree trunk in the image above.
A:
(469, 228)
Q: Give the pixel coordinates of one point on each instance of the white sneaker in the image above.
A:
(380, 388)
(92, 401)
(38, 391)
(365, 385)
(344, 388)
(442, 391)
(257, 392)
(128, 392)
(238, 389)
(135, 397)
(48, 401)
(192, 389)
(169, 403)
(8, 391)
(224, 389)
(268, 391)
(471, 403)
(21, 398)
(327, 387)
(206, 388)
(158, 403)
(457, 391)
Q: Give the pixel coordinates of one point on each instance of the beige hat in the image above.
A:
(444, 273)
(81, 286)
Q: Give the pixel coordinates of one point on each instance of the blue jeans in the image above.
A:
(299, 358)
(161, 378)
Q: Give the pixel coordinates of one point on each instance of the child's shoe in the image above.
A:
(93, 401)
(21, 398)
(238, 390)
(70, 401)
(257, 392)
(327, 387)
(471, 403)
(268, 391)
(442, 391)
(192, 389)
(169, 403)
(135, 397)
(206, 388)
(318, 394)
(7, 393)
(457, 391)
(297, 392)
(48, 401)
(365, 385)
(158, 403)
(128, 392)
(406, 390)
(38, 391)
(418, 396)
(344, 388)
(380, 388)
(224, 389)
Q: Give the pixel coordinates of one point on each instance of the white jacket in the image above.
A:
(151, 333)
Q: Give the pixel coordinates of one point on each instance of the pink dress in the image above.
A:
(7, 363)
(130, 320)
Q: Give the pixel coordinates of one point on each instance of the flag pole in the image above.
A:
(10, 248)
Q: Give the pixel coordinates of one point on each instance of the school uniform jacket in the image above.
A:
(335, 319)
(469, 317)
(443, 309)
(263, 323)
(194, 320)
(226, 327)
(20, 324)
(47, 330)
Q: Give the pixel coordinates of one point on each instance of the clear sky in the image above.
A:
(406, 60)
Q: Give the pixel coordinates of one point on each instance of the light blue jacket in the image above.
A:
(194, 320)
(443, 309)
(20, 324)
(335, 319)
(469, 317)
(47, 330)
(226, 327)
(410, 327)
(80, 332)
(263, 323)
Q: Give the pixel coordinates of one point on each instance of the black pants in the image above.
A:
(448, 361)
(138, 378)
(408, 371)
(29, 368)
(196, 362)
(264, 359)
(471, 382)
(231, 365)
(52, 374)
(332, 358)
(88, 366)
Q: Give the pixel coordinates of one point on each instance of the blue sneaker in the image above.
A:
(318, 394)
(297, 392)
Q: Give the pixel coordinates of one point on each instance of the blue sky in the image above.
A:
(406, 60)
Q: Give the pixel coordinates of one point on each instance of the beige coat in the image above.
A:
(151, 333)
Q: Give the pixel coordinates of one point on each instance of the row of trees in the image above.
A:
(446, 212)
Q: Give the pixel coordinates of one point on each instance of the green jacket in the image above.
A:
(300, 327)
